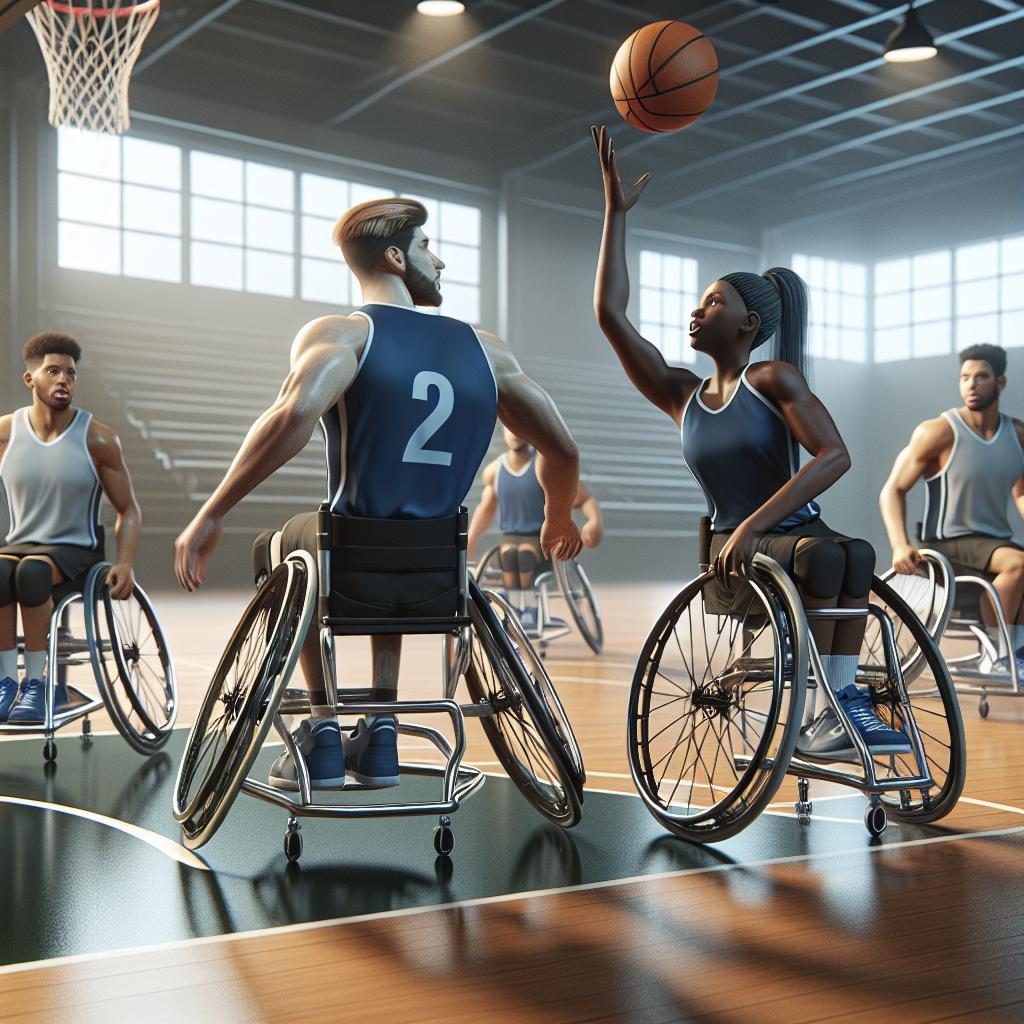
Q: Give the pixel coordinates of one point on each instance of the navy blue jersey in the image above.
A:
(520, 498)
(407, 438)
(741, 454)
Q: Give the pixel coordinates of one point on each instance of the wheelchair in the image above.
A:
(952, 601)
(565, 581)
(721, 691)
(378, 577)
(123, 643)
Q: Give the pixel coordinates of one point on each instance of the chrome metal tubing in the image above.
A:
(993, 596)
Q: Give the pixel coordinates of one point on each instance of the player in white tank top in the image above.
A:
(966, 518)
(54, 462)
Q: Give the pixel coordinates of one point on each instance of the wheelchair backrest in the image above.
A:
(392, 575)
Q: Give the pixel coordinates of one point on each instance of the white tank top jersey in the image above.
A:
(970, 494)
(52, 487)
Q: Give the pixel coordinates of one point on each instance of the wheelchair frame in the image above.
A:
(458, 781)
(542, 585)
(64, 652)
(967, 678)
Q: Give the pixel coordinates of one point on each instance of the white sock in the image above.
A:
(840, 669)
(1017, 636)
(9, 664)
(35, 664)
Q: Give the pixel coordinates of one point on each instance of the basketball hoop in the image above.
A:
(90, 48)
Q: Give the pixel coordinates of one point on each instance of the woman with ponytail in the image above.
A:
(742, 429)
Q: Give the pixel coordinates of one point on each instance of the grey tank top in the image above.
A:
(971, 492)
(520, 498)
(53, 489)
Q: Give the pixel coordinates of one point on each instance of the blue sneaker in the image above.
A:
(1002, 666)
(8, 695)
(319, 741)
(528, 619)
(30, 705)
(825, 739)
(374, 761)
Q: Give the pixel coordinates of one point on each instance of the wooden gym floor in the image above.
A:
(107, 919)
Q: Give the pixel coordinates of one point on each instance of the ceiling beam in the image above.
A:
(402, 80)
(186, 33)
(842, 147)
(844, 115)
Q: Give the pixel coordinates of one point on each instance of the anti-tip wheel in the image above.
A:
(293, 844)
(983, 708)
(50, 750)
(444, 838)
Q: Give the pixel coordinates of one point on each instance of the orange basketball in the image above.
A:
(664, 76)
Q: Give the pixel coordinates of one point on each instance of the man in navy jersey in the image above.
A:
(407, 402)
(511, 490)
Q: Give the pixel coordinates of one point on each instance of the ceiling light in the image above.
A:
(911, 41)
(440, 8)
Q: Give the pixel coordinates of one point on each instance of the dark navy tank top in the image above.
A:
(520, 498)
(741, 454)
(408, 437)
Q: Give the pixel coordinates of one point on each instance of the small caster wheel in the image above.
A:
(803, 806)
(293, 842)
(983, 708)
(444, 837)
(875, 820)
(50, 750)
(86, 733)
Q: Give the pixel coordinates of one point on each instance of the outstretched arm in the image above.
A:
(108, 458)
(918, 459)
(483, 516)
(325, 357)
(665, 386)
(593, 529)
(528, 411)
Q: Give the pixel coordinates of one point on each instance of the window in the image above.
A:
(118, 205)
(990, 293)
(914, 306)
(242, 224)
(668, 294)
(838, 318)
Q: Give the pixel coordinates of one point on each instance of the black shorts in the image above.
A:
(972, 552)
(72, 560)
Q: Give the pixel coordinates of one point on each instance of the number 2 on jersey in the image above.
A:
(415, 450)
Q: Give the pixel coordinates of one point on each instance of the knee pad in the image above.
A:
(8, 567)
(527, 558)
(508, 558)
(819, 566)
(860, 568)
(266, 553)
(33, 581)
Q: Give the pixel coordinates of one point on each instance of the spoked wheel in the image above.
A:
(579, 596)
(529, 732)
(929, 594)
(243, 697)
(131, 663)
(716, 704)
(934, 705)
(488, 570)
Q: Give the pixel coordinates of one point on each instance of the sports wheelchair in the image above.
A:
(952, 601)
(123, 643)
(573, 587)
(721, 690)
(376, 576)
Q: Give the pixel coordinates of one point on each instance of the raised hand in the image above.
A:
(615, 196)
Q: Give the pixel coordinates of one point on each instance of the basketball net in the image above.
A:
(90, 48)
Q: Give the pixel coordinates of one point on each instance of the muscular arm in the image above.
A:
(528, 411)
(593, 530)
(813, 428)
(930, 441)
(324, 360)
(108, 458)
(1018, 487)
(665, 386)
(483, 516)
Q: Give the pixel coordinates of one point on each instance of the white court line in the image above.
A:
(166, 846)
(504, 898)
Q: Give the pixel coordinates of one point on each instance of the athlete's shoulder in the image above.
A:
(777, 379)
(1018, 425)
(100, 434)
(348, 332)
(6, 426)
(491, 472)
(932, 437)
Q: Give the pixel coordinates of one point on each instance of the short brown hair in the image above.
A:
(994, 355)
(368, 230)
(50, 343)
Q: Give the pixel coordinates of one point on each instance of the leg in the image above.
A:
(34, 580)
(387, 655)
(509, 563)
(819, 565)
(8, 636)
(1007, 567)
(860, 569)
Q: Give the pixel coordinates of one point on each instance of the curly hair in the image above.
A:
(50, 343)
